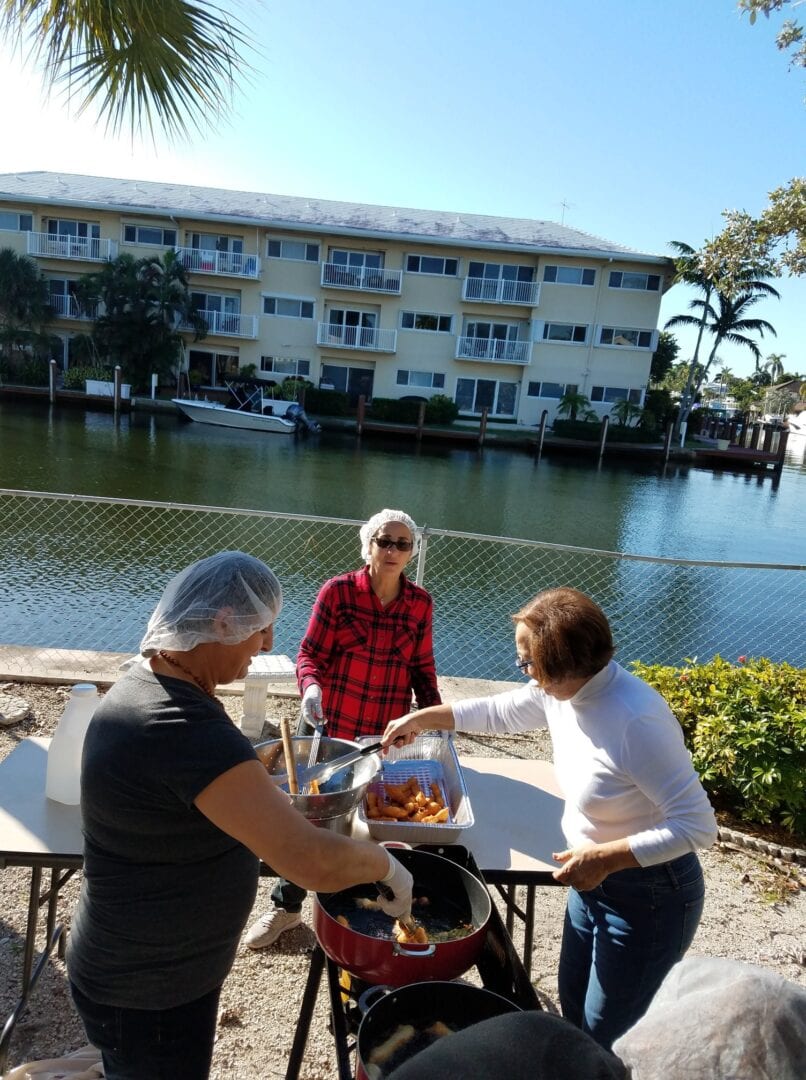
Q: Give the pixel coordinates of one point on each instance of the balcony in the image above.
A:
(66, 307)
(224, 263)
(362, 278)
(86, 248)
(496, 350)
(365, 338)
(227, 324)
(499, 291)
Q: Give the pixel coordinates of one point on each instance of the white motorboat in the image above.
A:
(796, 422)
(250, 410)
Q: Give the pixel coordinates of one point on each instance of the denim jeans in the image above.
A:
(288, 896)
(620, 940)
(146, 1044)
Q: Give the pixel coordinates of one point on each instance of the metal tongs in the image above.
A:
(318, 731)
(325, 769)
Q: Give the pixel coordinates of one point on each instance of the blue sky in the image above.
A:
(646, 118)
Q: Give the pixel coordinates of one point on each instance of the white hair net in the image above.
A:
(238, 588)
(383, 517)
(717, 1019)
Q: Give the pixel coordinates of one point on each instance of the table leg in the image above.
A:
(309, 997)
(343, 1064)
(529, 929)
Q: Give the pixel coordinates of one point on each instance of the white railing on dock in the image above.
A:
(227, 263)
(361, 278)
(495, 349)
(500, 291)
(356, 337)
(86, 248)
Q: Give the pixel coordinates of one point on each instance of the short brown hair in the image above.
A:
(569, 635)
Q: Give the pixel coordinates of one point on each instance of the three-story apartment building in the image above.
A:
(502, 313)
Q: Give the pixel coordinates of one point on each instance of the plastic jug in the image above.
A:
(63, 780)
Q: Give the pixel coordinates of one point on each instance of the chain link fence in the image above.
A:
(84, 574)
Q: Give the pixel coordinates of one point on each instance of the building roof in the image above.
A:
(295, 213)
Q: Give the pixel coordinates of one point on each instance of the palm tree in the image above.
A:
(146, 63)
(24, 307)
(626, 412)
(572, 403)
(775, 365)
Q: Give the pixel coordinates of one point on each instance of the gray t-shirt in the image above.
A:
(165, 893)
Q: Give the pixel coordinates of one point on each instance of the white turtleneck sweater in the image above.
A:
(620, 760)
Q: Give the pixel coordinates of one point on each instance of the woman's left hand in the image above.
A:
(587, 865)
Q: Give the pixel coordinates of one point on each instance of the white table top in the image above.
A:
(33, 829)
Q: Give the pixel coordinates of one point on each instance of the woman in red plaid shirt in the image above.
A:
(367, 648)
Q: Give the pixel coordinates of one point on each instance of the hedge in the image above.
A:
(745, 724)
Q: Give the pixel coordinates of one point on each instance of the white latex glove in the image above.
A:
(312, 705)
(400, 881)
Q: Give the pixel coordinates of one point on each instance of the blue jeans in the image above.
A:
(620, 940)
(288, 896)
(152, 1044)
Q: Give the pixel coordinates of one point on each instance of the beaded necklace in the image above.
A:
(199, 682)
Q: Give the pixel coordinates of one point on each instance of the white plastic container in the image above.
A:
(263, 670)
(63, 780)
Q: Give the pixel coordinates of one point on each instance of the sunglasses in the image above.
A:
(522, 665)
(387, 542)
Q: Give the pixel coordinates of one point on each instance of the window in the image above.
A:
(473, 395)
(214, 367)
(288, 307)
(149, 234)
(623, 279)
(344, 257)
(432, 264)
(11, 221)
(293, 249)
(565, 332)
(285, 365)
(502, 271)
(216, 242)
(426, 320)
(569, 275)
(432, 379)
(550, 389)
(626, 336)
(615, 393)
(67, 227)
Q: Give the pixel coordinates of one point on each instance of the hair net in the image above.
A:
(383, 517)
(717, 1019)
(236, 586)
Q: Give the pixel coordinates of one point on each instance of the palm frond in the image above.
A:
(143, 63)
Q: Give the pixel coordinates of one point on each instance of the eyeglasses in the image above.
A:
(522, 665)
(387, 542)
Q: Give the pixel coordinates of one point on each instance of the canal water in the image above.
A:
(676, 511)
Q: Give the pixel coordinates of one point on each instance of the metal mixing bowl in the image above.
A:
(338, 796)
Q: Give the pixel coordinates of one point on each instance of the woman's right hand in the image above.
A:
(401, 732)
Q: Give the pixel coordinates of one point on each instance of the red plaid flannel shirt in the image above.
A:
(368, 659)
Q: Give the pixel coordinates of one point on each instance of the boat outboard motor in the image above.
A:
(296, 413)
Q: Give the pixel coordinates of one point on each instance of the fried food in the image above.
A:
(404, 936)
(399, 1037)
(408, 802)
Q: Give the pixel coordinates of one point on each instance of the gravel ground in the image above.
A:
(753, 912)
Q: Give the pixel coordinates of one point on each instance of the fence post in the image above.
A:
(541, 434)
(359, 419)
(118, 381)
(603, 436)
(52, 381)
(420, 575)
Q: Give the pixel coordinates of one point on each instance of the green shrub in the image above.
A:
(394, 411)
(326, 402)
(745, 725)
(33, 371)
(75, 377)
(441, 409)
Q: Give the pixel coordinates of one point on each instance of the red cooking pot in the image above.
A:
(402, 1022)
(455, 899)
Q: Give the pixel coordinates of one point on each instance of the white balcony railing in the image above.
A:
(362, 278)
(66, 307)
(356, 337)
(499, 291)
(228, 263)
(227, 324)
(495, 349)
(88, 248)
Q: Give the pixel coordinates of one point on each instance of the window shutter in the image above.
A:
(538, 326)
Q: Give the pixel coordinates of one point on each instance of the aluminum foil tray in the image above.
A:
(429, 758)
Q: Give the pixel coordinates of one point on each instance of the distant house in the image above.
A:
(502, 313)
